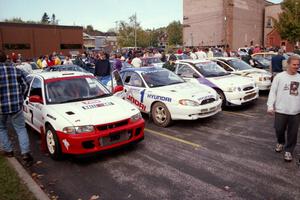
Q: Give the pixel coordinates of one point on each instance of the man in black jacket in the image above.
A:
(102, 68)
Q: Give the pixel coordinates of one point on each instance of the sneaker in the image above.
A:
(27, 159)
(288, 157)
(279, 148)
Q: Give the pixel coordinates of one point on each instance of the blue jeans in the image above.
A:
(18, 122)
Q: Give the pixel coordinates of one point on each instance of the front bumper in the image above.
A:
(266, 85)
(180, 112)
(101, 140)
(239, 98)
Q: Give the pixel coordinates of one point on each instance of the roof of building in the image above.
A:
(49, 26)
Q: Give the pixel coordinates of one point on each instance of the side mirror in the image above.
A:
(118, 88)
(36, 99)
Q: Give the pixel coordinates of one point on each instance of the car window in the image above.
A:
(185, 71)
(135, 80)
(36, 87)
(224, 66)
(161, 77)
(238, 64)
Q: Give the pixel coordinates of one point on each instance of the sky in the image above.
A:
(101, 14)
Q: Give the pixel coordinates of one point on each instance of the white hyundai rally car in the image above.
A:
(234, 90)
(239, 67)
(76, 114)
(167, 97)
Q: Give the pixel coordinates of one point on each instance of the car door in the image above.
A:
(135, 89)
(34, 110)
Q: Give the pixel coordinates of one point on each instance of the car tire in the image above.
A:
(222, 96)
(52, 143)
(161, 115)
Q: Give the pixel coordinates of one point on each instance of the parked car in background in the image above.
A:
(166, 97)
(234, 90)
(76, 114)
(29, 67)
(151, 61)
(236, 66)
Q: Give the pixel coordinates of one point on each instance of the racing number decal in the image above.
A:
(31, 116)
(142, 95)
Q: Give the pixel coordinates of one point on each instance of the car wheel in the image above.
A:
(52, 143)
(222, 97)
(161, 115)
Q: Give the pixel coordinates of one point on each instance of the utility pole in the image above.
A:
(135, 30)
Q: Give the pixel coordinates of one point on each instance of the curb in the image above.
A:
(26, 178)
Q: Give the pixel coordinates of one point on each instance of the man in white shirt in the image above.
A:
(201, 54)
(284, 102)
(136, 62)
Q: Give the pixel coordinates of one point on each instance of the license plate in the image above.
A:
(115, 138)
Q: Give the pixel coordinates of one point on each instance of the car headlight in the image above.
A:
(136, 117)
(234, 89)
(187, 102)
(78, 129)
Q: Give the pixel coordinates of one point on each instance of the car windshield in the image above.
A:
(74, 89)
(66, 68)
(159, 78)
(239, 64)
(263, 60)
(210, 69)
(149, 61)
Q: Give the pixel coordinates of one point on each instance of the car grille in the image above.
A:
(248, 88)
(250, 96)
(207, 101)
(112, 125)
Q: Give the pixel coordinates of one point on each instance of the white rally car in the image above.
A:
(167, 97)
(76, 114)
(239, 67)
(234, 90)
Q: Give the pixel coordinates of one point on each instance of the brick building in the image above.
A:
(33, 40)
(220, 22)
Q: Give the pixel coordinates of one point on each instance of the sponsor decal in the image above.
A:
(142, 95)
(66, 143)
(98, 105)
(91, 102)
(140, 105)
(161, 98)
(152, 71)
(206, 97)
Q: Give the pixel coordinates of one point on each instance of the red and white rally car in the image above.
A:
(76, 114)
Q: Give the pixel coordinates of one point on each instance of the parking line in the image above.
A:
(173, 138)
(239, 114)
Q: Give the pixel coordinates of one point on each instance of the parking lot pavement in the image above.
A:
(228, 156)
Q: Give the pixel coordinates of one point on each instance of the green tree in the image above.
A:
(288, 24)
(54, 21)
(45, 19)
(15, 20)
(174, 31)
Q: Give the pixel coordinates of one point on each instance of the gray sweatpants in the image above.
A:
(290, 124)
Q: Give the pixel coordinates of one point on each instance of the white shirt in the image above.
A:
(193, 56)
(44, 64)
(68, 62)
(136, 62)
(284, 96)
(201, 54)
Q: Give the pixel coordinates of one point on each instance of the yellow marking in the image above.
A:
(173, 138)
(239, 114)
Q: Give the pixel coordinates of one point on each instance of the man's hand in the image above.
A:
(270, 111)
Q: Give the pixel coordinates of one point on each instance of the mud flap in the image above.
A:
(43, 140)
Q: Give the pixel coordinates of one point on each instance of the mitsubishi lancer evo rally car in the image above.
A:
(236, 66)
(234, 90)
(76, 114)
(166, 97)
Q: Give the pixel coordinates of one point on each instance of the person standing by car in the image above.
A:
(170, 64)
(137, 62)
(102, 68)
(12, 89)
(284, 101)
(67, 61)
(276, 63)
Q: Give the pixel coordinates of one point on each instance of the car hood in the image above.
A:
(96, 111)
(231, 80)
(185, 90)
(252, 72)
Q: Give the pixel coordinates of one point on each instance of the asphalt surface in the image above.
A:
(228, 156)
